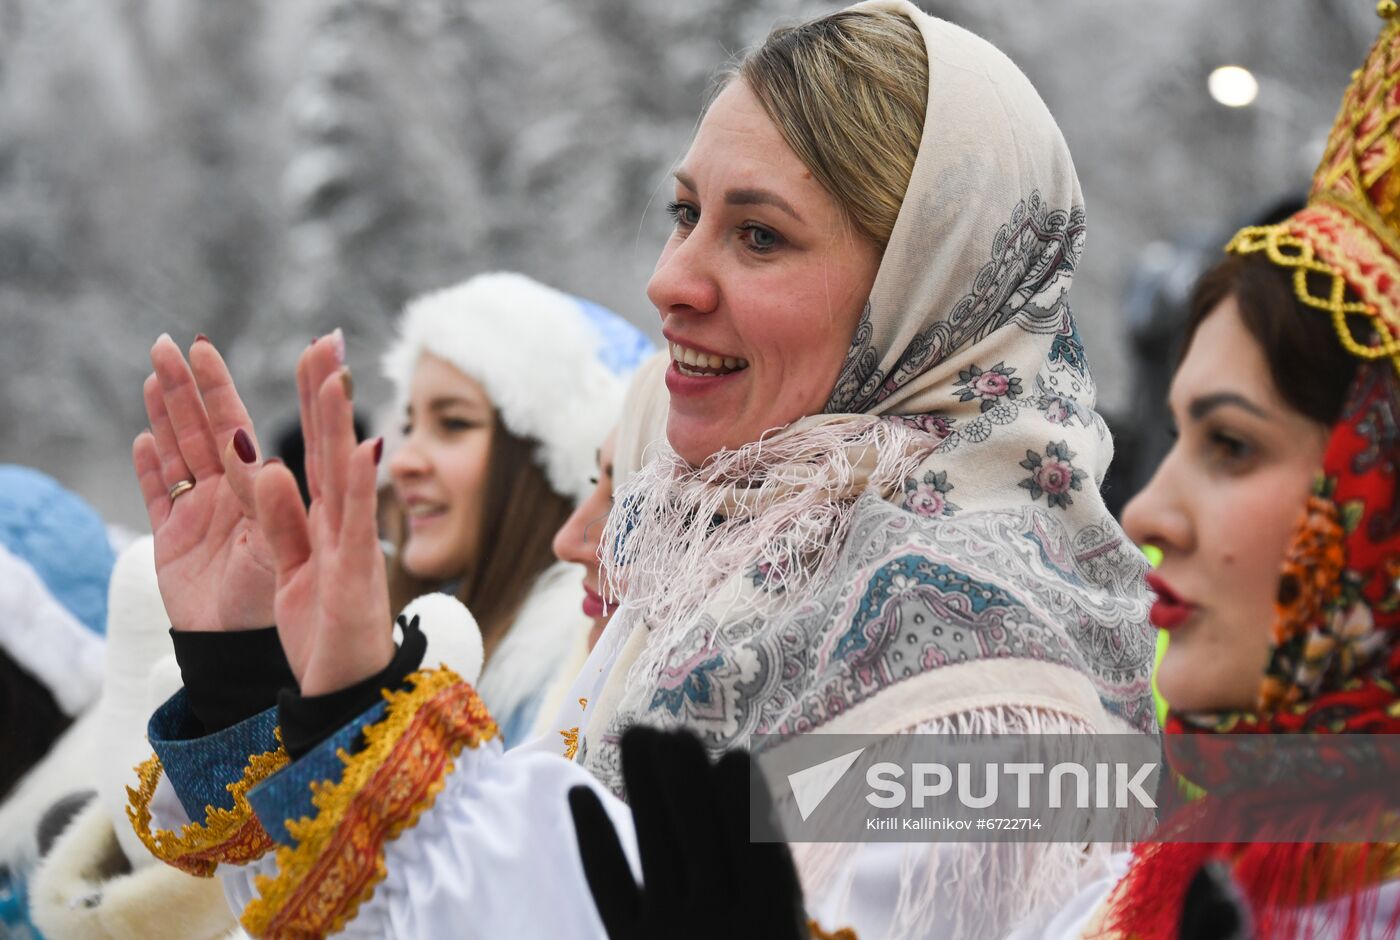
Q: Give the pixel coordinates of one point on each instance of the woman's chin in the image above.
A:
(697, 438)
(1198, 694)
(694, 448)
(424, 564)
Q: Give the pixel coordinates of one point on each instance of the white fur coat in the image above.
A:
(541, 649)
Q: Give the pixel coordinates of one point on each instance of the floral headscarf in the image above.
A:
(932, 552)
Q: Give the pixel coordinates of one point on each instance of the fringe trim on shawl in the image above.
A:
(1294, 890)
(976, 889)
(773, 513)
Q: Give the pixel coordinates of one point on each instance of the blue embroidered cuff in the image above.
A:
(200, 766)
(287, 794)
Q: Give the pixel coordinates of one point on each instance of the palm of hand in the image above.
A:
(328, 597)
(240, 548)
(209, 540)
(213, 564)
(332, 594)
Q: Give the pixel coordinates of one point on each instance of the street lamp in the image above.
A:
(1233, 86)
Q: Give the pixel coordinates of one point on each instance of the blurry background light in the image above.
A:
(1233, 86)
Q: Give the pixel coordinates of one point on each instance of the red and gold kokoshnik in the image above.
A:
(1349, 233)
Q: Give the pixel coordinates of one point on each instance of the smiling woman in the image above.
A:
(799, 200)
(878, 513)
(492, 463)
(759, 293)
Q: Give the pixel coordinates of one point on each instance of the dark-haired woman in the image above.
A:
(1276, 514)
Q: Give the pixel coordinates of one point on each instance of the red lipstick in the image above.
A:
(592, 602)
(1170, 610)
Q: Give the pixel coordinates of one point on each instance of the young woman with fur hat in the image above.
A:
(503, 412)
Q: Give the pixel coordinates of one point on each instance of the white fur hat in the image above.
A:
(554, 366)
(45, 639)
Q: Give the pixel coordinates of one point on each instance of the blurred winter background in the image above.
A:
(264, 170)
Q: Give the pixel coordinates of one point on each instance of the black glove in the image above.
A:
(1214, 908)
(702, 877)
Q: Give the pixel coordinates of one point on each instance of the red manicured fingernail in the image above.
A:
(201, 338)
(243, 446)
(313, 341)
(378, 449)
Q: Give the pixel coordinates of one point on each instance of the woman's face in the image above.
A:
(1222, 507)
(759, 287)
(439, 471)
(581, 534)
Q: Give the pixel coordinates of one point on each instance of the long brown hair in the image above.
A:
(521, 513)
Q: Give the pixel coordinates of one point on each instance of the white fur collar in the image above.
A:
(42, 636)
(74, 895)
(543, 640)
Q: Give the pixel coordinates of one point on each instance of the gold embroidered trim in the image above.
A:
(1293, 245)
(845, 933)
(386, 787)
(570, 735)
(233, 836)
(570, 743)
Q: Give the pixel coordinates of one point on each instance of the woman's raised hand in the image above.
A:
(213, 565)
(332, 593)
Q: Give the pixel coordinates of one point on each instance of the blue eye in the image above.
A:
(683, 214)
(761, 239)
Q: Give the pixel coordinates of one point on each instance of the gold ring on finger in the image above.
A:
(184, 486)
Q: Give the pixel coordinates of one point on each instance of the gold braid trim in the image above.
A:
(570, 735)
(233, 836)
(845, 933)
(570, 743)
(1324, 240)
(386, 787)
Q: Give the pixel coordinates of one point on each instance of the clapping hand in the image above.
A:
(332, 595)
(196, 465)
